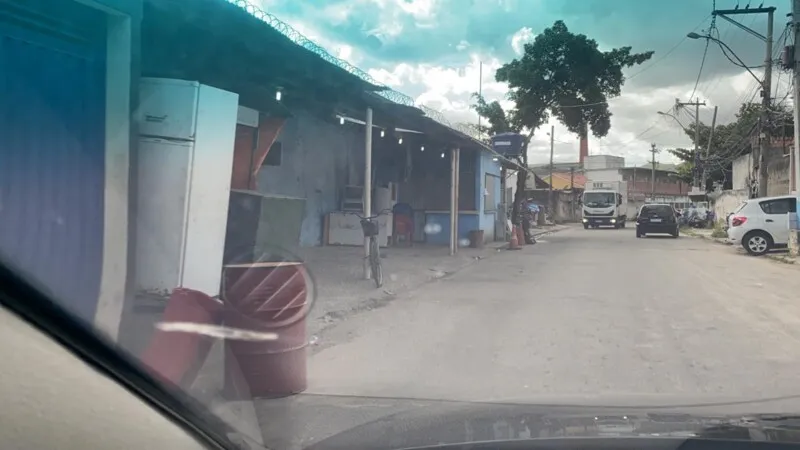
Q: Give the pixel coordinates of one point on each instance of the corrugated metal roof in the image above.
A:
(562, 180)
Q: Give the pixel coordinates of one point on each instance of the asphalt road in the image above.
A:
(586, 317)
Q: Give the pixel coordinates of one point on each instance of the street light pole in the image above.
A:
(796, 92)
(766, 84)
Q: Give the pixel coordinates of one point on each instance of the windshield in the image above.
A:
(599, 199)
(660, 210)
(309, 217)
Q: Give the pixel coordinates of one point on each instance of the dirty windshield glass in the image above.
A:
(599, 199)
(388, 224)
(660, 210)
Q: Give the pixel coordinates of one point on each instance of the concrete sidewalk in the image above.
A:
(340, 292)
(779, 255)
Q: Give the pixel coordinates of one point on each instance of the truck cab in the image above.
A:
(604, 206)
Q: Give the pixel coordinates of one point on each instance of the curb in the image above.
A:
(781, 258)
(785, 259)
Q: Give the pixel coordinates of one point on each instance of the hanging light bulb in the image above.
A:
(278, 95)
(383, 133)
(442, 154)
(341, 120)
(400, 141)
(422, 148)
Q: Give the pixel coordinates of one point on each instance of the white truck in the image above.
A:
(604, 203)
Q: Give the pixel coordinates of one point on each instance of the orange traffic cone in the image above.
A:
(521, 237)
(514, 243)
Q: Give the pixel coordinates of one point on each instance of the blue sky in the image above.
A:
(432, 49)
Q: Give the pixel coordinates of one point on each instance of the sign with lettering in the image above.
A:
(508, 144)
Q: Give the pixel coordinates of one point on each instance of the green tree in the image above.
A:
(730, 141)
(562, 75)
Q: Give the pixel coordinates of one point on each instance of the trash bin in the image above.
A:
(476, 238)
(267, 297)
(176, 358)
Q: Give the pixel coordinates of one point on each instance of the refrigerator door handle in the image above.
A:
(156, 119)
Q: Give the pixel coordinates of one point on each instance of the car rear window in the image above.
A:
(659, 210)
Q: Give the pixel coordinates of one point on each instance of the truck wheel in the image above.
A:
(586, 226)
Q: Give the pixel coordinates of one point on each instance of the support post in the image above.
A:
(453, 204)
(367, 207)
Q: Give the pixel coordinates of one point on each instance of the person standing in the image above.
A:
(529, 211)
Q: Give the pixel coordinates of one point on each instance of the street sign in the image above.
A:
(508, 144)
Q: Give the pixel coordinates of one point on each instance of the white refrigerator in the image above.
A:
(185, 157)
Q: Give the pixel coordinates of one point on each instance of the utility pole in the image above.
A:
(572, 191)
(708, 149)
(796, 92)
(765, 138)
(793, 234)
(550, 204)
(696, 172)
(653, 150)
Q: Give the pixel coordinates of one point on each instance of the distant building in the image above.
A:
(668, 187)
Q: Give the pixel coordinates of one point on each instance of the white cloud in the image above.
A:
(518, 39)
(635, 124)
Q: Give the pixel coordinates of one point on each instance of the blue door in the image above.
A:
(52, 167)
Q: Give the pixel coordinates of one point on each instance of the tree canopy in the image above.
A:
(562, 75)
(567, 76)
(730, 141)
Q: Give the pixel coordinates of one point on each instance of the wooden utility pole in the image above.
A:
(696, 156)
(653, 150)
(708, 148)
(765, 139)
(572, 191)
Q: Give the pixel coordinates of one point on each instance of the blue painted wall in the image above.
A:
(319, 158)
(52, 166)
(487, 219)
(441, 220)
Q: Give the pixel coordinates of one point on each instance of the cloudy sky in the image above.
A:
(431, 50)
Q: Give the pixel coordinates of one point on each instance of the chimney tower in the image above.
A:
(584, 146)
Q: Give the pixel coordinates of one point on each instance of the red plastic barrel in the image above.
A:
(267, 297)
(176, 357)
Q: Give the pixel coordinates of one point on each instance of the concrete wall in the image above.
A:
(318, 159)
(728, 201)
(602, 175)
(778, 175)
(640, 183)
(741, 171)
(594, 162)
(123, 65)
(778, 172)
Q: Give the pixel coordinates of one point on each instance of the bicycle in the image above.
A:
(371, 230)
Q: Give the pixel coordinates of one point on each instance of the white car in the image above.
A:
(762, 224)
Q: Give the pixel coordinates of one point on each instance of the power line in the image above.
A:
(711, 27)
(669, 52)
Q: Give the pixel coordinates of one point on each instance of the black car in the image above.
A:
(657, 219)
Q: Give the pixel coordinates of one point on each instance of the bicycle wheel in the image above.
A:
(375, 262)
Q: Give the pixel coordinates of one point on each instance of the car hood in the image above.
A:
(441, 423)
